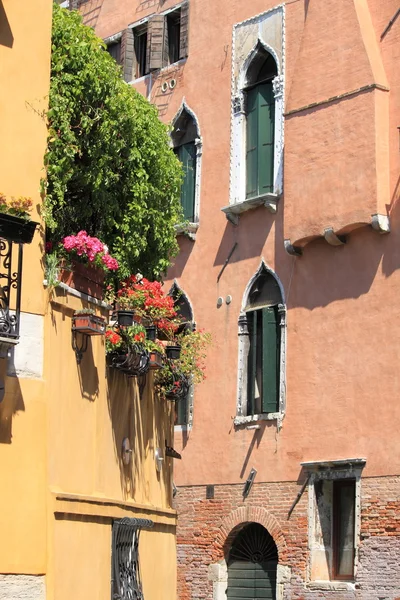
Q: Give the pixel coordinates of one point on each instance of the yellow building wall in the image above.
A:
(91, 409)
(25, 32)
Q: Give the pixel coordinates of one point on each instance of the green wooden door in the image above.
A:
(248, 580)
(187, 155)
(252, 565)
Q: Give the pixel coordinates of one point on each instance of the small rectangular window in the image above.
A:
(140, 49)
(173, 24)
(343, 528)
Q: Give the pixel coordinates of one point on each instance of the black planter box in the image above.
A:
(125, 318)
(173, 352)
(17, 229)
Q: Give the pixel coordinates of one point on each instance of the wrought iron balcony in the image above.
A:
(10, 294)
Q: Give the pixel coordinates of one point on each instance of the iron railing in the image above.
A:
(126, 583)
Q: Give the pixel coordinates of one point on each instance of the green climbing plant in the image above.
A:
(110, 168)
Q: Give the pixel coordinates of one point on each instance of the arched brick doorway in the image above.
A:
(252, 564)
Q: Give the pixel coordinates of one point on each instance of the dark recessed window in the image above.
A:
(140, 48)
(114, 50)
(174, 34)
(344, 494)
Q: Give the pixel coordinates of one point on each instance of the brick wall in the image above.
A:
(205, 533)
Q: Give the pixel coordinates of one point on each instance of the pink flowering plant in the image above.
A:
(81, 248)
(89, 250)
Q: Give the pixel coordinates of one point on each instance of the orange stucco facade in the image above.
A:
(338, 63)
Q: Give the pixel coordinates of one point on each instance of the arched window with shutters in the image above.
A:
(187, 144)
(262, 349)
(257, 116)
(183, 406)
(260, 124)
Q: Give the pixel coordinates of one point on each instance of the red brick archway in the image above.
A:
(238, 519)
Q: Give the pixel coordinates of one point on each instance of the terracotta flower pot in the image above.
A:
(156, 360)
(84, 278)
(88, 324)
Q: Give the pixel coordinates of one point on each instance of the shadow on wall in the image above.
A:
(11, 404)
(325, 274)
(90, 10)
(259, 222)
(6, 36)
(185, 249)
(88, 373)
(146, 422)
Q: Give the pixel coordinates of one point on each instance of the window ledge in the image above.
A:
(332, 585)
(85, 297)
(188, 229)
(180, 428)
(232, 212)
(244, 420)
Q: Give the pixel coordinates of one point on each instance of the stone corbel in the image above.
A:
(380, 223)
(333, 239)
(292, 250)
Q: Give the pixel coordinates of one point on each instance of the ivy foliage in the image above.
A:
(110, 168)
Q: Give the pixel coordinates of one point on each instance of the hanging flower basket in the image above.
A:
(173, 352)
(89, 324)
(151, 333)
(179, 388)
(132, 361)
(156, 360)
(83, 278)
(17, 229)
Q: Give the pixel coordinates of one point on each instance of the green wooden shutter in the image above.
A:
(251, 361)
(260, 124)
(266, 119)
(252, 143)
(187, 156)
(270, 359)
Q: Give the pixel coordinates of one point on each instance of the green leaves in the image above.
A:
(110, 170)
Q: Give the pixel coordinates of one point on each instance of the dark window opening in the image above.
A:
(344, 494)
(173, 24)
(140, 48)
(114, 50)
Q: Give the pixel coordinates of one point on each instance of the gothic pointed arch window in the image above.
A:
(183, 406)
(186, 141)
(257, 116)
(262, 349)
(260, 124)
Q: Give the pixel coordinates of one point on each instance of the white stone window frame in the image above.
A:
(237, 197)
(190, 398)
(241, 405)
(341, 469)
(191, 228)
